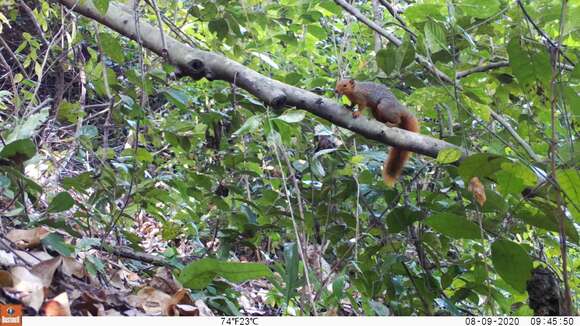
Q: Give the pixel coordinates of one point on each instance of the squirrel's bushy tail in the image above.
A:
(393, 165)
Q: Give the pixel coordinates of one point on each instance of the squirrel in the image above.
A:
(387, 109)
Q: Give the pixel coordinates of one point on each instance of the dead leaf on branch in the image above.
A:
(71, 267)
(152, 301)
(478, 190)
(27, 287)
(45, 270)
(25, 239)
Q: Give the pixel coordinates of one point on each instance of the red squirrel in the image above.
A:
(386, 108)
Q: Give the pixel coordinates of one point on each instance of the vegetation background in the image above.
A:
(130, 184)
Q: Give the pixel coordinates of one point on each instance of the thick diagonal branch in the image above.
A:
(202, 64)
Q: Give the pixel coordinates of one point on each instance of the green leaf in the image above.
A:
(144, 156)
(514, 177)
(198, 274)
(250, 125)
(512, 263)
(480, 165)
(400, 218)
(61, 202)
(80, 183)
(569, 181)
(546, 217)
(386, 59)
(112, 47)
(454, 226)
(318, 32)
(435, 37)
(27, 127)
(102, 6)
(520, 62)
(291, 263)
(448, 155)
(56, 242)
(528, 62)
(292, 116)
(70, 112)
(479, 8)
(177, 96)
(421, 12)
(19, 151)
(220, 27)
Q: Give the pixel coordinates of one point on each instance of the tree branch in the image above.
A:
(484, 68)
(203, 64)
(355, 12)
(393, 13)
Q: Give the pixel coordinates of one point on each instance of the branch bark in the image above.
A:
(203, 64)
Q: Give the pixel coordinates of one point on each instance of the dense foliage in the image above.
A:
(105, 145)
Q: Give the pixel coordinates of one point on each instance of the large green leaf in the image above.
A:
(199, 274)
(386, 59)
(401, 217)
(569, 181)
(101, 5)
(448, 155)
(454, 226)
(292, 116)
(291, 261)
(112, 47)
(61, 202)
(435, 37)
(480, 165)
(479, 8)
(527, 62)
(27, 128)
(250, 125)
(546, 215)
(514, 177)
(19, 151)
(512, 263)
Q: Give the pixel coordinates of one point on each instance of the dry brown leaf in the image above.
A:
(58, 306)
(478, 190)
(25, 239)
(118, 279)
(185, 310)
(71, 267)
(28, 288)
(204, 310)
(6, 279)
(165, 281)
(180, 302)
(45, 270)
(152, 301)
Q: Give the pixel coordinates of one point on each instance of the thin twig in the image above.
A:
(30, 13)
(554, 55)
(515, 135)
(542, 33)
(301, 250)
(393, 13)
(363, 19)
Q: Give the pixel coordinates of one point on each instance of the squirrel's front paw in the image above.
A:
(356, 114)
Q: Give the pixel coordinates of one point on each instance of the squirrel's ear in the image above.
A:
(351, 81)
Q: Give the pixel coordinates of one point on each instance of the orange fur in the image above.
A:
(386, 109)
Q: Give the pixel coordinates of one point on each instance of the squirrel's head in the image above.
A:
(345, 86)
